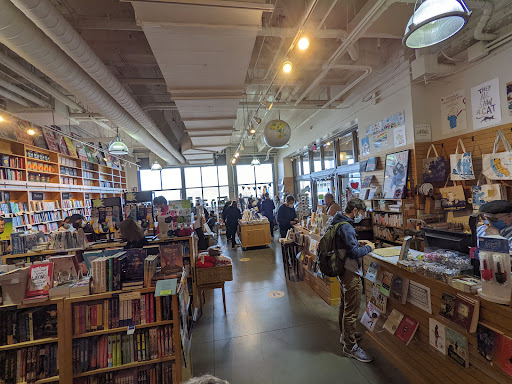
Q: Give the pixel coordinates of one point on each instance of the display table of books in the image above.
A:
(254, 234)
(434, 328)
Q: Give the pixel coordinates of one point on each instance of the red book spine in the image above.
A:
(152, 307)
(148, 317)
(93, 310)
(82, 318)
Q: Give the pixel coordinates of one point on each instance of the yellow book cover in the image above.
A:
(71, 147)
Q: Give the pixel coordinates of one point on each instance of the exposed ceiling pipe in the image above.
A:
(487, 7)
(53, 24)
(13, 97)
(19, 34)
(14, 66)
(24, 94)
(375, 11)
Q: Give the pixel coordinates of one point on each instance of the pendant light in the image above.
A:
(435, 21)
(255, 161)
(117, 147)
(156, 166)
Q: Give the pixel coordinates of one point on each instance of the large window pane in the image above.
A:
(194, 194)
(246, 190)
(224, 192)
(209, 175)
(149, 180)
(305, 165)
(346, 150)
(264, 173)
(192, 177)
(171, 178)
(171, 195)
(329, 157)
(223, 175)
(245, 174)
(210, 194)
(317, 161)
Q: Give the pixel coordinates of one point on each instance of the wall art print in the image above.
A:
(485, 102)
(395, 174)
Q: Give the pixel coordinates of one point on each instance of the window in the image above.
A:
(171, 178)
(329, 157)
(305, 164)
(317, 161)
(192, 177)
(346, 150)
(255, 180)
(150, 180)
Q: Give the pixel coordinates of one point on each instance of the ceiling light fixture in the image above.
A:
(435, 21)
(328, 143)
(117, 147)
(31, 131)
(303, 43)
(237, 154)
(257, 119)
(287, 66)
(255, 161)
(252, 130)
(156, 166)
(1, 119)
(233, 161)
(268, 105)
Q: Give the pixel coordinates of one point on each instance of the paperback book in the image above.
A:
(447, 306)
(437, 335)
(457, 347)
(466, 312)
(371, 272)
(399, 288)
(370, 317)
(40, 279)
(393, 321)
(407, 329)
(378, 299)
(486, 340)
(385, 285)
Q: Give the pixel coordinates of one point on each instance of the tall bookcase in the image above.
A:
(390, 219)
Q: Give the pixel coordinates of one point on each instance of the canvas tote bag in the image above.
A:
(498, 165)
(484, 193)
(453, 198)
(434, 168)
(461, 164)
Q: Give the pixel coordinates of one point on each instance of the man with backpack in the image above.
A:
(339, 254)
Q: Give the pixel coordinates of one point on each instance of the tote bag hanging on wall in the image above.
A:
(498, 165)
(484, 193)
(453, 198)
(434, 168)
(461, 164)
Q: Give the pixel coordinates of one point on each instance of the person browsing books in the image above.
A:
(286, 216)
(233, 214)
(350, 281)
(160, 204)
(132, 233)
(332, 206)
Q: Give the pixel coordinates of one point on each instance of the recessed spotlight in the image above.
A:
(287, 66)
(303, 43)
(31, 131)
(252, 130)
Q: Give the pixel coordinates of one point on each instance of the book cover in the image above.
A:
(371, 164)
(378, 299)
(38, 137)
(371, 272)
(385, 285)
(65, 268)
(466, 312)
(457, 347)
(406, 329)
(503, 353)
(40, 279)
(20, 128)
(393, 321)
(399, 288)
(447, 306)
(437, 335)
(63, 145)
(171, 258)
(44, 322)
(486, 340)
(370, 317)
(89, 256)
(51, 140)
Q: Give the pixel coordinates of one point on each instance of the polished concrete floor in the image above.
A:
(270, 340)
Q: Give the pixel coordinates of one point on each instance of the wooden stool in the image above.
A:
(202, 288)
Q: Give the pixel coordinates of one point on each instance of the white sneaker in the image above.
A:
(358, 353)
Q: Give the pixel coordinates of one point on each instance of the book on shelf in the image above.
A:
(399, 288)
(447, 309)
(171, 258)
(486, 339)
(371, 272)
(457, 347)
(370, 317)
(407, 329)
(40, 279)
(385, 285)
(393, 321)
(135, 264)
(27, 365)
(437, 335)
(466, 312)
(503, 353)
(18, 326)
(378, 299)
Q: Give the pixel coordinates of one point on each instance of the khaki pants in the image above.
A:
(351, 291)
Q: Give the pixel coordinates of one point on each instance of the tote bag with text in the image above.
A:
(498, 165)
(461, 164)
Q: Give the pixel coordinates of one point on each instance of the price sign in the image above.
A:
(66, 196)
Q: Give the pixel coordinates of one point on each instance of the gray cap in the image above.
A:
(495, 207)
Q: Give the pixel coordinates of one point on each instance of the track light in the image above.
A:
(1, 119)
(303, 43)
(255, 161)
(257, 119)
(287, 66)
(435, 21)
(233, 161)
(237, 154)
(31, 131)
(268, 105)
(252, 130)
(328, 143)
(156, 166)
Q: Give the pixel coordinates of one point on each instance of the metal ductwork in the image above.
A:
(26, 95)
(23, 37)
(53, 24)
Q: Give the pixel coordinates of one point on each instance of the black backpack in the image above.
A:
(331, 262)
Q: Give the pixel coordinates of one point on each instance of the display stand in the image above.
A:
(255, 235)
(389, 224)
(422, 363)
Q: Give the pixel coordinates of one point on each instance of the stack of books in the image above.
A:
(26, 365)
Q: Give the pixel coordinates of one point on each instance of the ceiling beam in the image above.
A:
(142, 81)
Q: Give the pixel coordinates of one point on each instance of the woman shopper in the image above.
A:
(132, 233)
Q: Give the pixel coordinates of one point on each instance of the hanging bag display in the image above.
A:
(484, 193)
(434, 168)
(498, 165)
(453, 198)
(461, 164)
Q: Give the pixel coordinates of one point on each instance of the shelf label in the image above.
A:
(66, 196)
(130, 330)
(129, 296)
(37, 195)
(166, 287)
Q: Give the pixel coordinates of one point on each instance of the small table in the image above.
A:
(255, 235)
(202, 288)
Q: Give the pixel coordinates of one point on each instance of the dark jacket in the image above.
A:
(232, 216)
(267, 208)
(284, 216)
(224, 213)
(137, 244)
(346, 238)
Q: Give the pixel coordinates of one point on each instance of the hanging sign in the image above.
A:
(485, 103)
(37, 196)
(66, 196)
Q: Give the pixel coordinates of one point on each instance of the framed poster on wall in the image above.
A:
(395, 174)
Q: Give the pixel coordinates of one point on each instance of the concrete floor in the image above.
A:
(264, 340)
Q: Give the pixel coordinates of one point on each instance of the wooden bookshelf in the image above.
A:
(380, 207)
(122, 329)
(31, 343)
(125, 366)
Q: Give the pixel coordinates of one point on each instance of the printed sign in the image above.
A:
(66, 196)
(453, 112)
(399, 136)
(422, 133)
(485, 102)
(37, 195)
